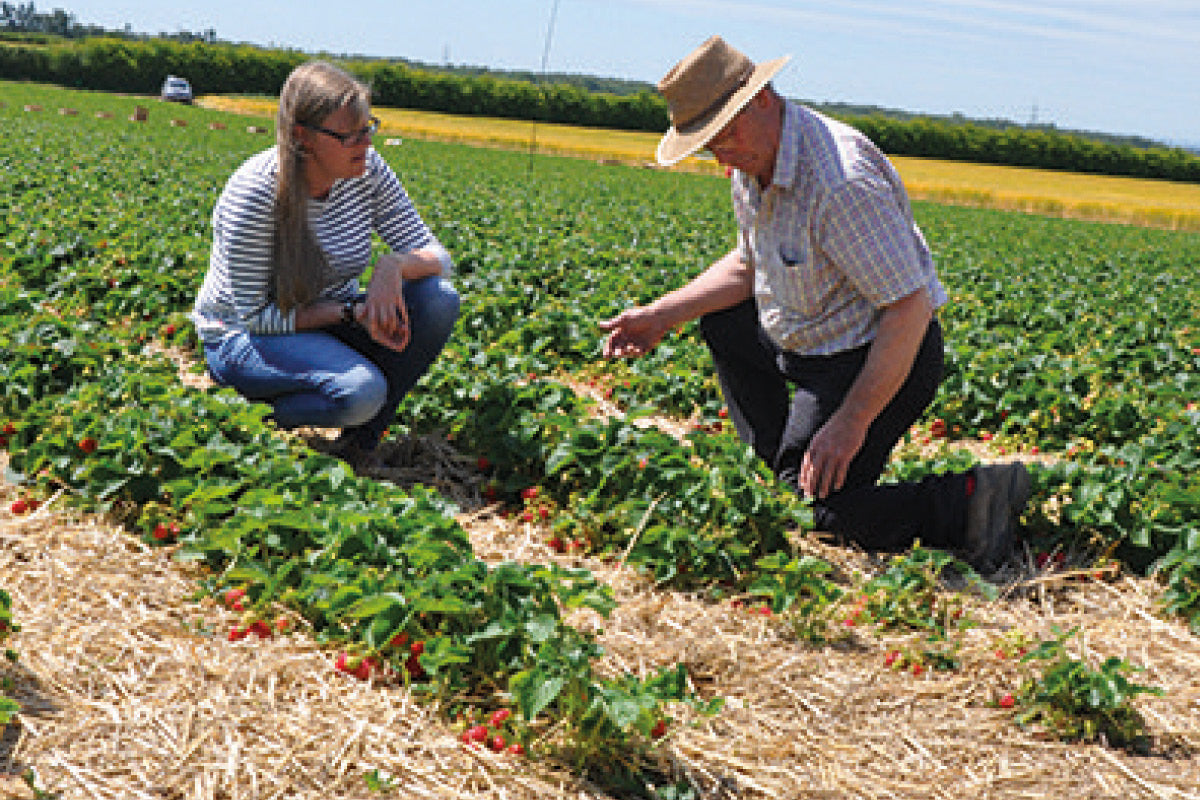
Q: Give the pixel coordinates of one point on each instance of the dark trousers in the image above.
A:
(779, 400)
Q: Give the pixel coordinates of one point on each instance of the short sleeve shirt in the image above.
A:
(832, 240)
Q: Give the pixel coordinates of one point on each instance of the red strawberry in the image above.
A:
(1008, 701)
(544, 513)
(260, 629)
(161, 532)
(234, 595)
(938, 428)
(516, 749)
(491, 492)
(169, 330)
(498, 717)
(414, 668)
(343, 663)
(237, 634)
(9, 429)
(417, 648)
(3, 441)
(917, 669)
(891, 657)
(659, 729)
(483, 463)
(283, 624)
(88, 445)
(363, 670)
(527, 516)
(557, 545)
(529, 492)
(496, 743)
(399, 640)
(238, 606)
(477, 733)
(19, 506)
(723, 413)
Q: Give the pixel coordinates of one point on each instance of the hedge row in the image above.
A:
(217, 68)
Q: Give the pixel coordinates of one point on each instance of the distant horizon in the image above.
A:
(1193, 145)
(1099, 66)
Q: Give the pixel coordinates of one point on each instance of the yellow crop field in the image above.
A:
(1164, 204)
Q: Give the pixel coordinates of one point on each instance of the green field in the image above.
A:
(1075, 342)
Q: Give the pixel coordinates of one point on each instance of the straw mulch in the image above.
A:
(130, 690)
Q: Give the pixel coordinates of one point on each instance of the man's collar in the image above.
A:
(789, 148)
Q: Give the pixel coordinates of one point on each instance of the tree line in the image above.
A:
(139, 66)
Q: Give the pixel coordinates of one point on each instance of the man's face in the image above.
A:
(748, 141)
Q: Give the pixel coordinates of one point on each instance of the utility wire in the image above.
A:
(545, 64)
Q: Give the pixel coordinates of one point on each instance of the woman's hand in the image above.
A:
(384, 314)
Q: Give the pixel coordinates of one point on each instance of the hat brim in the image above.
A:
(678, 144)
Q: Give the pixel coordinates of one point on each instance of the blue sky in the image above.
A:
(1118, 66)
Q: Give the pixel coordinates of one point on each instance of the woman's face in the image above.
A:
(330, 158)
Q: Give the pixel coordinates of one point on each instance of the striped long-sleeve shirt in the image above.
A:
(237, 294)
(832, 240)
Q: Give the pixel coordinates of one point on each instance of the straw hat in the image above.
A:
(706, 90)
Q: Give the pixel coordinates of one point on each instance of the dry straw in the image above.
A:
(130, 689)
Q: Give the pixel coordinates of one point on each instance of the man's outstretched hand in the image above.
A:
(634, 332)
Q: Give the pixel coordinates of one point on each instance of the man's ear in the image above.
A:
(764, 98)
(300, 135)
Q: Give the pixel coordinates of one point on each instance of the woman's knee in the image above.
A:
(357, 396)
(435, 302)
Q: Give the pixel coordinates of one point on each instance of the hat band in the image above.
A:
(717, 105)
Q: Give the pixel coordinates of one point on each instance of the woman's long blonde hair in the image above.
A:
(311, 93)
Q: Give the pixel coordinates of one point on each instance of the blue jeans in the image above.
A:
(339, 377)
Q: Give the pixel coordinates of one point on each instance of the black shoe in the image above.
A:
(348, 448)
(1001, 491)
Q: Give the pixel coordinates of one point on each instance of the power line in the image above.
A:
(545, 64)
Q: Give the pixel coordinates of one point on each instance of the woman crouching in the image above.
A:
(281, 314)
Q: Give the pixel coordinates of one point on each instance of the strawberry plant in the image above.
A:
(800, 588)
(906, 597)
(1078, 702)
(8, 706)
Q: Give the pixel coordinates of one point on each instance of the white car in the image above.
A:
(176, 89)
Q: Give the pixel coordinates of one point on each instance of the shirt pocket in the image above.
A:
(790, 255)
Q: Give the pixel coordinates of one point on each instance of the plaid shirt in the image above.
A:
(832, 240)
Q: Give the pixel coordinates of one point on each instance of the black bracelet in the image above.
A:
(348, 307)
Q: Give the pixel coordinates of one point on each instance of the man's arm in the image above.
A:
(635, 331)
(890, 357)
